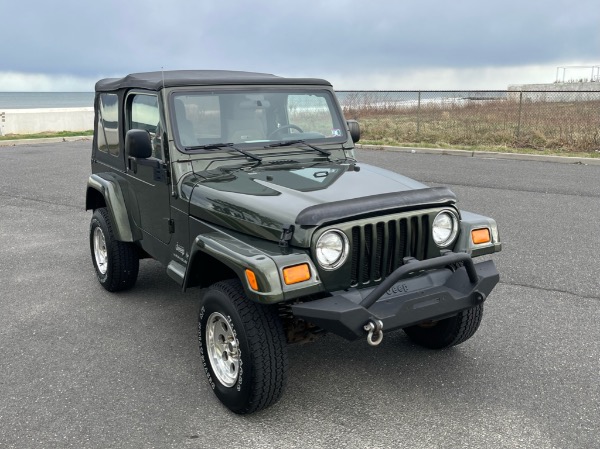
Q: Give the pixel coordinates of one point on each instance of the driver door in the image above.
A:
(148, 179)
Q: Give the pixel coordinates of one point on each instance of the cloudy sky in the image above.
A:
(66, 45)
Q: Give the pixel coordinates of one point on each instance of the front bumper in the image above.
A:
(417, 291)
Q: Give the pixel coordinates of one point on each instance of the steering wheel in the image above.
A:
(284, 127)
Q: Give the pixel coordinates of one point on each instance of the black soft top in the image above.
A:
(175, 78)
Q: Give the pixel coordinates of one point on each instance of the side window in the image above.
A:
(108, 124)
(144, 114)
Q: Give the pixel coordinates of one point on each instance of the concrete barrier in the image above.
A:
(30, 121)
(558, 92)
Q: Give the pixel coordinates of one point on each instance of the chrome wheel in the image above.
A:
(223, 349)
(100, 253)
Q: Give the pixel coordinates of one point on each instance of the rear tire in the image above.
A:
(242, 347)
(448, 332)
(116, 263)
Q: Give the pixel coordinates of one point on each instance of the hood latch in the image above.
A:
(286, 235)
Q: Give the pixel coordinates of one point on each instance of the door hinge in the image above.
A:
(171, 226)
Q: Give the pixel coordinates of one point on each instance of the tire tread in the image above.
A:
(267, 342)
(123, 263)
(448, 332)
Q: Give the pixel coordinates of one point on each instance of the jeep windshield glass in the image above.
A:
(255, 118)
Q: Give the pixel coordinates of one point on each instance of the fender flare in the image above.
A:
(227, 251)
(267, 266)
(470, 221)
(115, 203)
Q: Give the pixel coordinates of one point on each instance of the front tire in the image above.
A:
(116, 263)
(447, 332)
(242, 347)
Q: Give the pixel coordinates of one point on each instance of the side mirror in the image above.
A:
(138, 144)
(354, 128)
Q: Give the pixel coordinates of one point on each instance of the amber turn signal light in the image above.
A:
(480, 236)
(251, 277)
(296, 273)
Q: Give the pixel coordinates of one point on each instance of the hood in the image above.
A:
(263, 200)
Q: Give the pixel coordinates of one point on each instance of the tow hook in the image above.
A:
(375, 332)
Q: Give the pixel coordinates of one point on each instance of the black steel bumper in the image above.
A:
(417, 291)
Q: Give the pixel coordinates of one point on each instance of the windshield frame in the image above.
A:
(327, 93)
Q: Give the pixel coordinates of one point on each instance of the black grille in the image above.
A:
(378, 248)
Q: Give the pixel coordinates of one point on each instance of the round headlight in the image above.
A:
(332, 249)
(445, 228)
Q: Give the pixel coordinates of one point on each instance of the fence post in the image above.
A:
(520, 109)
(419, 113)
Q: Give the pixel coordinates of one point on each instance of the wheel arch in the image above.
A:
(218, 256)
(204, 270)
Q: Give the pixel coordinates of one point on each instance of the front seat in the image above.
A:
(245, 124)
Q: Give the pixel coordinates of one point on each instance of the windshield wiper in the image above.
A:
(217, 146)
(286, 143)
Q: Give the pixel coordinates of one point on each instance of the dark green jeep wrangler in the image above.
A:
(246, 184)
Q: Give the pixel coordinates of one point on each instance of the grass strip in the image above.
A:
(46, 135)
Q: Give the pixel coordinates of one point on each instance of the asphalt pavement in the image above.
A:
(84, 368)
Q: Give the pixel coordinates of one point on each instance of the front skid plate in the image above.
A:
(433, 295)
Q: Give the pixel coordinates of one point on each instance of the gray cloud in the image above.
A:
(108, 38)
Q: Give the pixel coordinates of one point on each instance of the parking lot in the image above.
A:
(83, 368)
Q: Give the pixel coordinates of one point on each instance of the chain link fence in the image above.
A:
(558, 120)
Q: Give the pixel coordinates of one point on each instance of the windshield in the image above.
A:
(257, 117)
